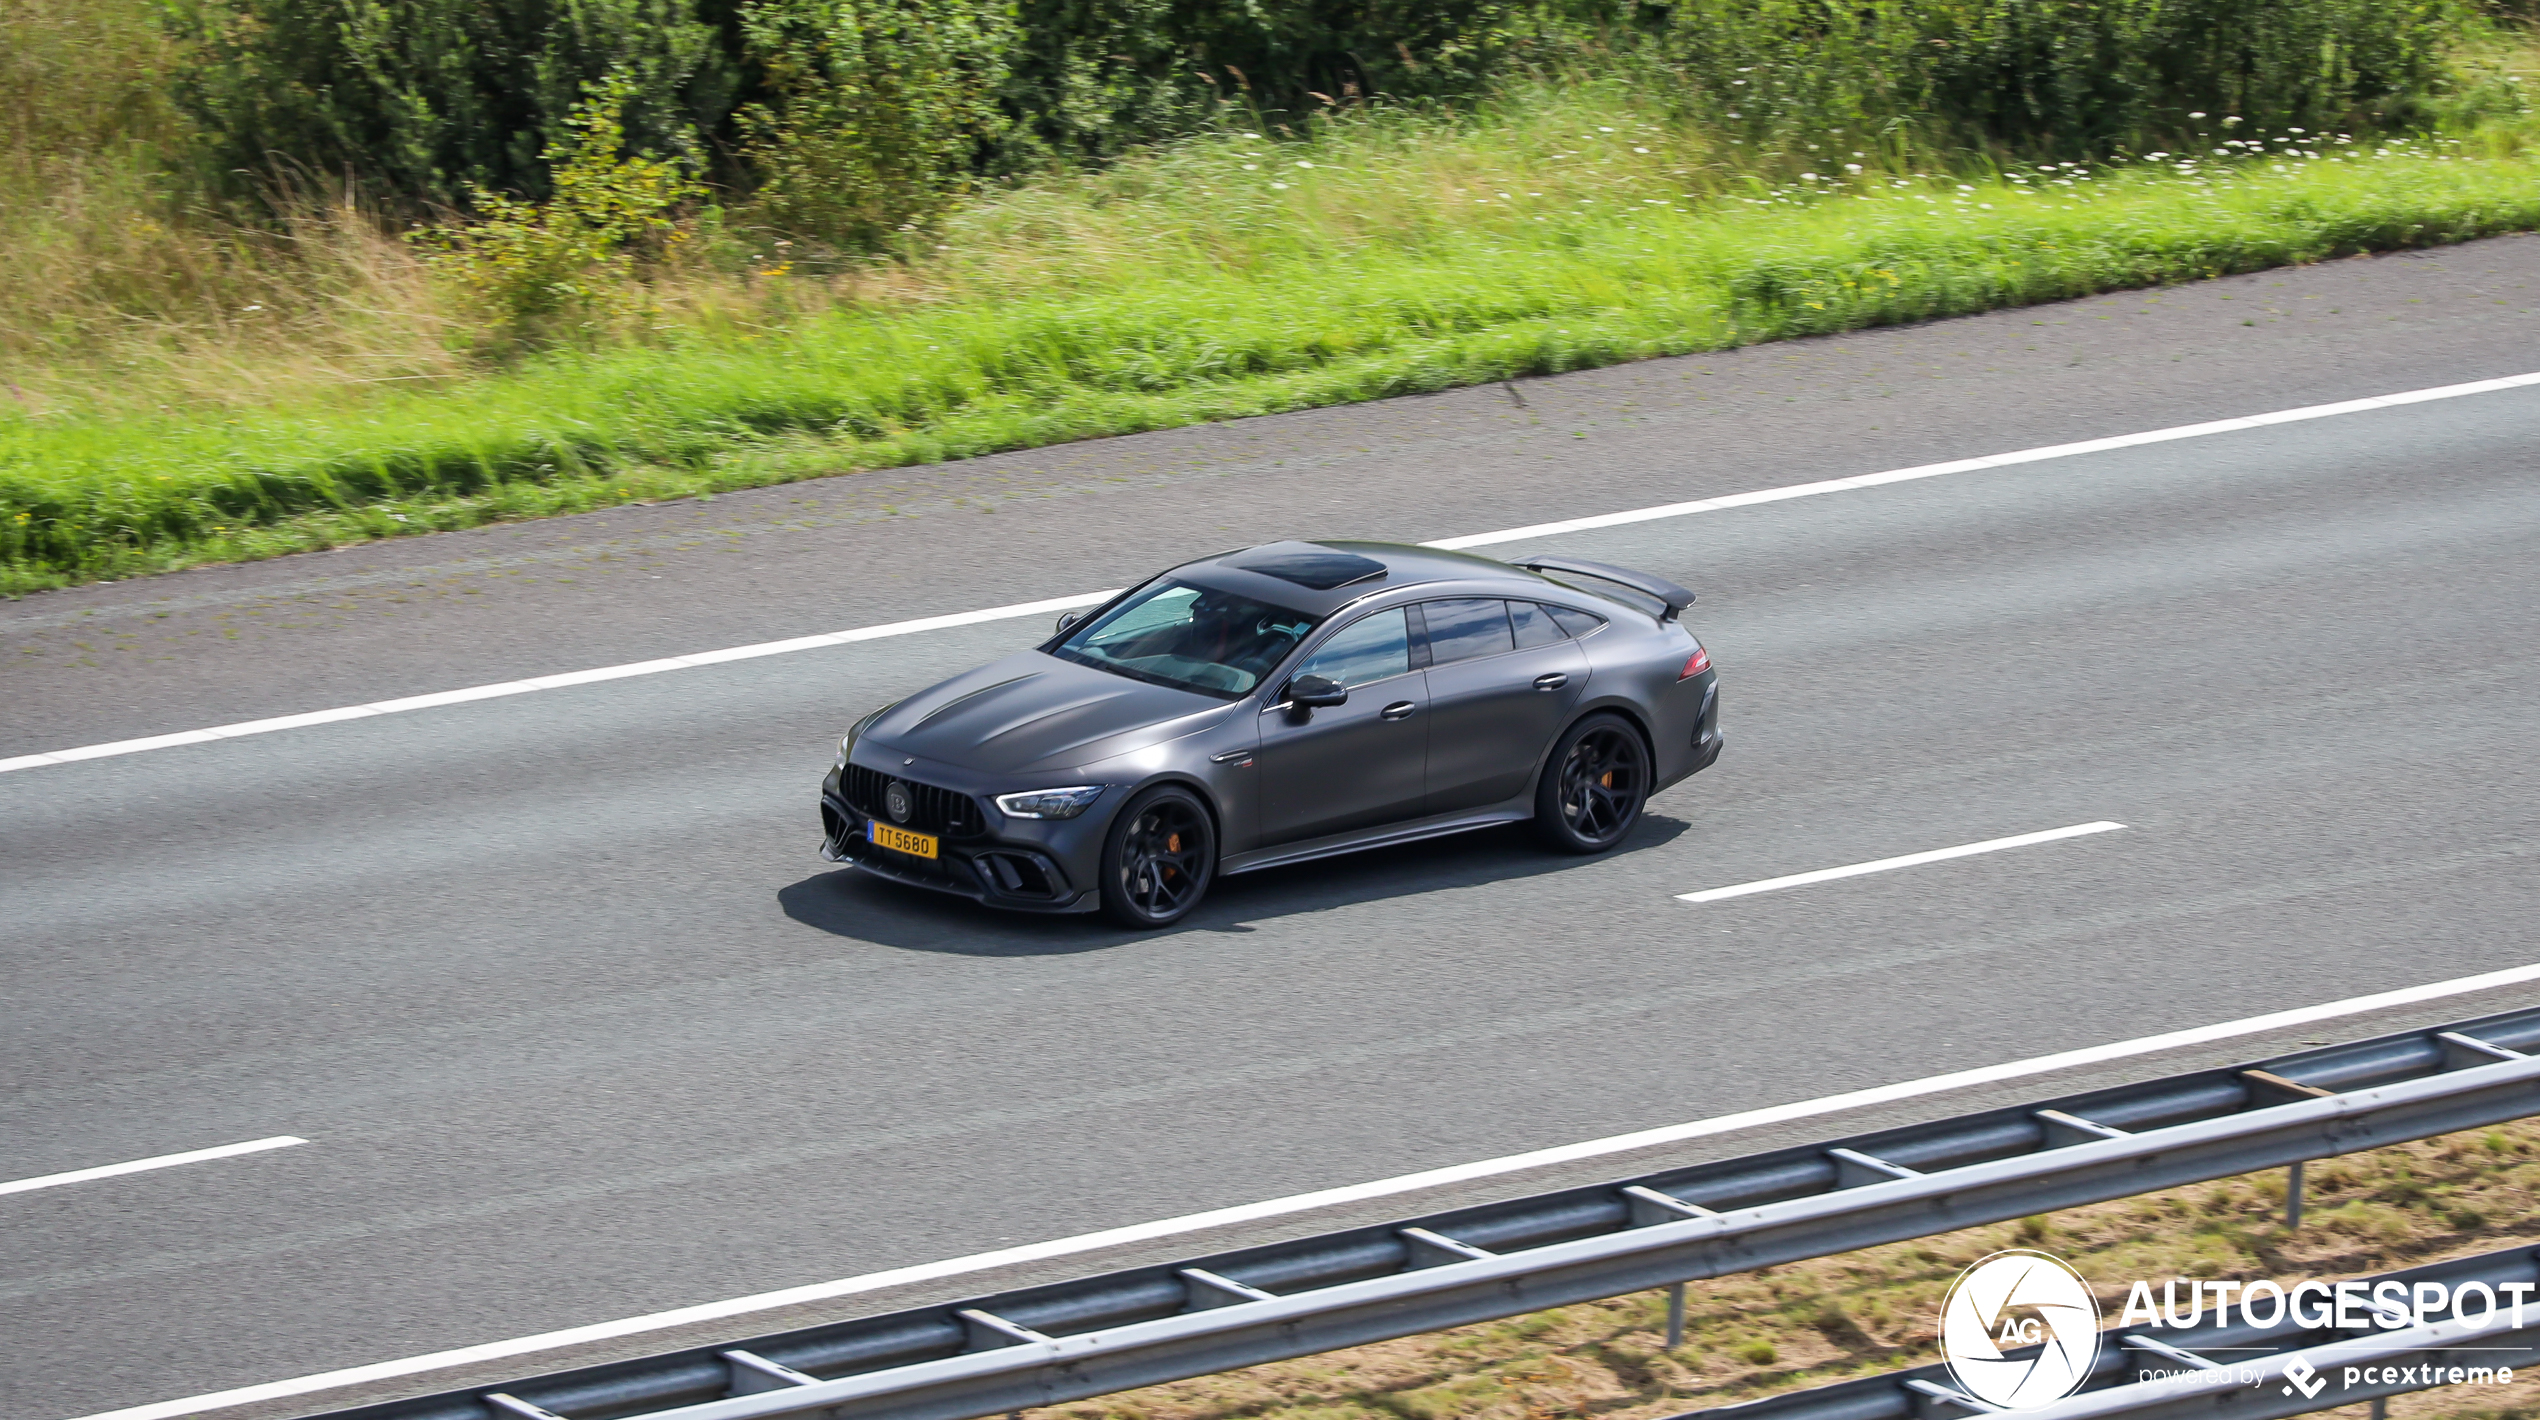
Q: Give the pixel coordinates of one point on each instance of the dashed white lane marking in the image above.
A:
(1050, 604)
(1909, 860)
(1327, 1198)
(163, 1161)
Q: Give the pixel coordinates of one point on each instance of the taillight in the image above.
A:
(1700, 662)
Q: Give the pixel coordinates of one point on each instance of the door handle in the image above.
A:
(1399, 710)
(1554, 681)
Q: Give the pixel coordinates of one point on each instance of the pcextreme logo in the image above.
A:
(2012, 1300)
(2020, 1328)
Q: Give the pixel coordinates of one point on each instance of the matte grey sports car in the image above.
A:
(1277, 704)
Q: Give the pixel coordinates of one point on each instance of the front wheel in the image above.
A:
(1593, 786)
(1158, 859)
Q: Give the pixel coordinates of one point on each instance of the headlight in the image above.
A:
(1049, 803)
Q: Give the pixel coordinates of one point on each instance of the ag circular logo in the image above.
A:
(895, 801)
(2011, 1301)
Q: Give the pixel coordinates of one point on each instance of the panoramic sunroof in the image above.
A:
(1308, 565)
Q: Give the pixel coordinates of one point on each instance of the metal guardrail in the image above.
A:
(2208, 1367)
(1072, 1340)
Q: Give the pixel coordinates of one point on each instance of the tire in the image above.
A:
(1594, 784)
(1159, 858)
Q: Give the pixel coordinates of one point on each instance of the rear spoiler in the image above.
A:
(1672, 597)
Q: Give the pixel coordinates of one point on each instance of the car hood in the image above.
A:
(1032, 711)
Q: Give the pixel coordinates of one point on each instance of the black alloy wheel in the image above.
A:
(1158, 859)
(1593, 786)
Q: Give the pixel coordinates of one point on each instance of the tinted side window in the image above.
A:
(1535, 626)
(1577, 623)
(1466, 627)
(1369, 649)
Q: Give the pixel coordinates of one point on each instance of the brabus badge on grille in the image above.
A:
(895, 801)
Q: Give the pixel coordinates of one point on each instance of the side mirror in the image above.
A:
(1069, 618)
(1314, 692)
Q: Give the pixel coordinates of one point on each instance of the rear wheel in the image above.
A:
(1593, 786)
(1158, 859)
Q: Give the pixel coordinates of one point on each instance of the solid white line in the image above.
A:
(553, 682)
(1328, 1198)
(163, 1161)
(1050, 604)
(1936, 855)
(1935, 470)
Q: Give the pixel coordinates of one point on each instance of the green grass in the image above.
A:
(1188, 288)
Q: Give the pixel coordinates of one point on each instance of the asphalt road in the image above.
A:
(580, 1027)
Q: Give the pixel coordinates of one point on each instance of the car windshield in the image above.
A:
(1191, 638)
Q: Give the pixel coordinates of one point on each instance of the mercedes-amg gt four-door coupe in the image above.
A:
(1278, 704)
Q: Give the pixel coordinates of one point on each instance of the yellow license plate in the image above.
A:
(900, 840)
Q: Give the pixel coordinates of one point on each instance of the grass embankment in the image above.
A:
(1807, 1324)
(1216, 278)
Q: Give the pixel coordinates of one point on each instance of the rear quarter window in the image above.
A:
(1577, 623)
(1534, 625)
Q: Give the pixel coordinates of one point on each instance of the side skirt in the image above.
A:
(1515, 810)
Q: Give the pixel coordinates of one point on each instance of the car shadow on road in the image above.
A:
(847, 903)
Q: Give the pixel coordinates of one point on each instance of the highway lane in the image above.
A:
(579, 1027)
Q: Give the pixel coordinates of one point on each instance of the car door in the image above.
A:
(1352, 765)
(1502, 678)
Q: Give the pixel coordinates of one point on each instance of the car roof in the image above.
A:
(1284, 573)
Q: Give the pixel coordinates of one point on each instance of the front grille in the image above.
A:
(946, 813)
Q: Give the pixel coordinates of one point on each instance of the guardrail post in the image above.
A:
(2293, 1196)
(1675, 1316)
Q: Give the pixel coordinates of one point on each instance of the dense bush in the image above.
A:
(2048, 77)
(425, 100)
(858, 116)
(1091, 78)
(876, 111)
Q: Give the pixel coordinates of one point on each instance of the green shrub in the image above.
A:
(877, 109)
(562, 268)
(1091, 78)
(431, 100)
(2047, 77)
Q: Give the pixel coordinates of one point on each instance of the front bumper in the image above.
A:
(984, 867)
